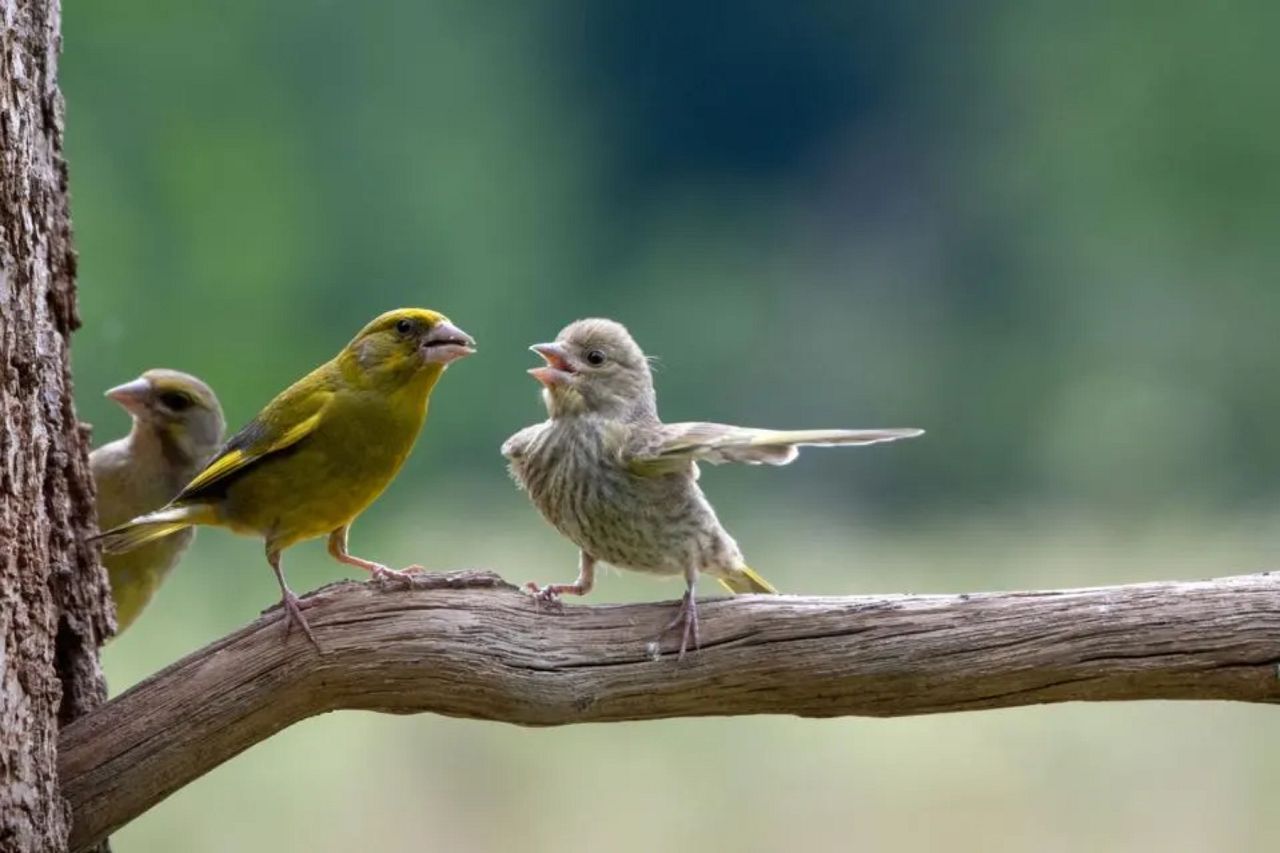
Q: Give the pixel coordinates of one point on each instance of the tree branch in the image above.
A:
(470, 645)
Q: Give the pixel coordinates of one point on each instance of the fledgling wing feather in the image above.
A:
(674, 446)
(286, 420)
(514, 447)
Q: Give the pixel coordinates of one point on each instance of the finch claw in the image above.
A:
(293, 615)
(398, 577)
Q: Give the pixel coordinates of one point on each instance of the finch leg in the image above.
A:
(687, 619)
(292, 607)
(551, 593)
(338, 549)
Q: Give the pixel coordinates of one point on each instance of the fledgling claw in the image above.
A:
(548, 595)
(687, 620)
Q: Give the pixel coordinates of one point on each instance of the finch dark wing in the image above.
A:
(285, 421)
(676, 445)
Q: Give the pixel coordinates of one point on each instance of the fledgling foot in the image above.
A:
(548, 596)
(686, 620)
(292, 606)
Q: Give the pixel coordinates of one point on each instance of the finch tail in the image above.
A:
(747, 581)
(152, 526)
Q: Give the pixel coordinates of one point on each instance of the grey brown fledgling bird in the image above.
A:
(177, 428)
(607, 473)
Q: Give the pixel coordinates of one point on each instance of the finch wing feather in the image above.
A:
(266, 434)
(676, 445)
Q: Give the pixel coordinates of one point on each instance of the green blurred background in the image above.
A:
(1045, 232)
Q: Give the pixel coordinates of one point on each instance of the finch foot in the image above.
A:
(293, 616)
(399, 577)
(687, 621)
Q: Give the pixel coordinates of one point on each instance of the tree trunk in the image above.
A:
(54, 600)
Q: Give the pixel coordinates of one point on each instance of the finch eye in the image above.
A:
(595, 357)
(404, 327)
(175, 401)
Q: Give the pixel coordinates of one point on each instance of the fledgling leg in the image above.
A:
(292, 607)
(338, 548)
(686, 618)
(586, 580)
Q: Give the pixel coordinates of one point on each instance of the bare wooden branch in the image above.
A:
(470, 645)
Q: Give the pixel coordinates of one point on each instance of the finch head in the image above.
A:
(176, 405)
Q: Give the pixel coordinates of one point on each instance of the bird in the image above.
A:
(611, 477)
(177, 428)
(321, 452)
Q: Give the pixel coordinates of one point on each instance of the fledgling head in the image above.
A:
(177, 407)
(594, 366)
(404, 343)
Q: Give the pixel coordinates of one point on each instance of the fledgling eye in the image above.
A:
(595, 357)
(175, 401)
(404, 327)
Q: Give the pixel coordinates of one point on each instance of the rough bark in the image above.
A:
(54, 606)
(469, 645)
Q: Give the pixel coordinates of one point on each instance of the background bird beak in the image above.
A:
(558, 369)
(446, 343)
(133, 396)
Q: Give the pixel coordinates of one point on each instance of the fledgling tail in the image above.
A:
(746, 580)
(152, 526)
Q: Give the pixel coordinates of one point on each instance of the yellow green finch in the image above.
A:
(177, 428)
(319, 453)
(622, 485)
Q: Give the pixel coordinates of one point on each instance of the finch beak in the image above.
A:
(558, 369)
(133, 396)
(446, 343)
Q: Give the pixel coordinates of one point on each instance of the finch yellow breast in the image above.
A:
(321, 451)
(622, 485)
(177, 427)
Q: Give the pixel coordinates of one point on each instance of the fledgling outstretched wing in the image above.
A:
(671, 447)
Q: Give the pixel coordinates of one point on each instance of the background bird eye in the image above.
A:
(404, 327)
(175, 401)
(595, 357)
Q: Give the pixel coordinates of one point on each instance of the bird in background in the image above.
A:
(319, 453)
(177, 428)
(622, 485)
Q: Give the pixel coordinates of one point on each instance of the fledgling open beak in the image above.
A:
(558, 369)
(133, 396)
(446, 343)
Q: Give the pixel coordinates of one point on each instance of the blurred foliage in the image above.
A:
(1045, 232)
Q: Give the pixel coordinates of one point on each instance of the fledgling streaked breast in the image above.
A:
(660, 525)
